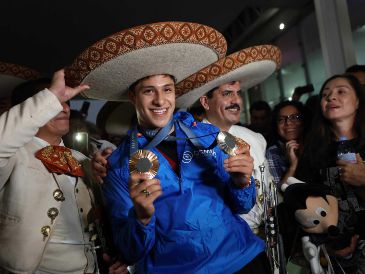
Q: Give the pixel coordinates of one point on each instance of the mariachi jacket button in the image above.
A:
(52, 213)
(58, 195)
(45, 230)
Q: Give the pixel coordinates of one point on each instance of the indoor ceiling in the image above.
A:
(47, 35)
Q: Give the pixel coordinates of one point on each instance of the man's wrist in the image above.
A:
(240, 182)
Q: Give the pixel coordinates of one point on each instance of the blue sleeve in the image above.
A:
(241, 200)
(133, 239)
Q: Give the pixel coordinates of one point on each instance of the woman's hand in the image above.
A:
(291, 148)
(352, 173)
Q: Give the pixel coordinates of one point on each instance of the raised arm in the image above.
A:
(21, 123)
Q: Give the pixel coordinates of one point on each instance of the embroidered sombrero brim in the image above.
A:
(115, 118)
(12, 75)
(111, 65)
(250, 66)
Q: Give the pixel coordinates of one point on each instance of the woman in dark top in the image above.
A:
(341, 113)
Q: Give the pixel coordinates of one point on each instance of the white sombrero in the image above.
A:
(115, 118)
(250, 66)
(12, 75)
(111, 65)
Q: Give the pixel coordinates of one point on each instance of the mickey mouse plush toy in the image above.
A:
(316, 212)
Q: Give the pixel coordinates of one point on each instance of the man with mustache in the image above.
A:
(222, 108)
(220, 96)
(45, 197)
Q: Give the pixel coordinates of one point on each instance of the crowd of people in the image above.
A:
(172, 195)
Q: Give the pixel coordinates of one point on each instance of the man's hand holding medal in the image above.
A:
(240, 163)
(143, 188)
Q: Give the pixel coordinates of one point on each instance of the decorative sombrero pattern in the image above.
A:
(12, 74)
(115, 118)
(250, 66)
(111, 65)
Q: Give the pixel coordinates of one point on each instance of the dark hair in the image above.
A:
(275, 116)
(132, 87)
(321, 134)
(196, 110)
(209, 94)
(27, 89)
(260, 105)
(355, 68)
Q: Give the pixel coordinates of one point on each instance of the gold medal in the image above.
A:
(144, 162)
(229, 143)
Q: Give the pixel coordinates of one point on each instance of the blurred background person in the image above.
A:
(312, 105)
(359, 72)
(260, 119)
(300, 91)
(114, 120)
(83, 135)
(289, 125)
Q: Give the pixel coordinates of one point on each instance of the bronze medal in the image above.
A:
(144, 162)
(229, 143)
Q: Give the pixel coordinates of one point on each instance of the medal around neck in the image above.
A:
(144, 162)
(229, 143)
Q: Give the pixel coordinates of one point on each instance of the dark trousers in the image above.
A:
(259, 265)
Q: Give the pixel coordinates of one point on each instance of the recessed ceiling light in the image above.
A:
(281, 26)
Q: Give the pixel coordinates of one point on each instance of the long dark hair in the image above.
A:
(321, 134)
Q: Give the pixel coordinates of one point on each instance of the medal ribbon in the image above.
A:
(163, 134)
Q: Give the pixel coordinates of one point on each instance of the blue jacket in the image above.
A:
(195, 228)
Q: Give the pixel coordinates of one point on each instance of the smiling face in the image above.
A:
(289, 123)
(154, 100)
(224, 107)
(339, 101)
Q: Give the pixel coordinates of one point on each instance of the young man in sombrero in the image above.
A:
(173, 194)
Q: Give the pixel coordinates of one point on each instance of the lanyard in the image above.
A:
(158, 137)
(163, 134)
